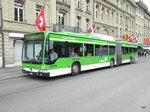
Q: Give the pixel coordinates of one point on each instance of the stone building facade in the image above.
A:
(112, 17)
(141, 11)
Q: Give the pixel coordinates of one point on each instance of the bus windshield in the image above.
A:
(33, 52)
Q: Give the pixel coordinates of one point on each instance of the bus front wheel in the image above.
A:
(75, 69)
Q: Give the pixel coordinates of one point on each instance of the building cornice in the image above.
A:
(110, 3)
(132, 2)
(141, 4)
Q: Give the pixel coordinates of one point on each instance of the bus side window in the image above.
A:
(130, 50)
(59, 48)
(111, 50)
(135, 50)
(104, 50)
(97, 48)
(126, 50)
(75, 50)
(88, 50)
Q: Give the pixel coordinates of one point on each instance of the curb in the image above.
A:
(13, 77)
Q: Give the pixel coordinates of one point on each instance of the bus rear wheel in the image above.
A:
(112, 63)
(75, 69)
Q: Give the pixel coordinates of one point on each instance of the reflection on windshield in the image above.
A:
(33, 52)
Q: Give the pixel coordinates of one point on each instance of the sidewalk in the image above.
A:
(10, 72)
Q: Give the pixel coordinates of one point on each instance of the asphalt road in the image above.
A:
(121, 89)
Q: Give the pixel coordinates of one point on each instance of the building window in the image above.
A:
(87, 24)
(87, 5)
(121, 5)
(38, 9)
(98, 30)
(96, 12)
(116, 32)
(78, 3)
(106, 32)
(78, 21)
(121, 20)
(61, 16)
(126, 22)
(18, 11)
(117, 18)
(102, 14)
(121, 33)
(127, 8)
(117, 2)
(132, 24)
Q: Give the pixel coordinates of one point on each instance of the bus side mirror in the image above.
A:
(14, 42)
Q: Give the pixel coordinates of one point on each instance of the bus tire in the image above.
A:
(111, 63)
(75, 69)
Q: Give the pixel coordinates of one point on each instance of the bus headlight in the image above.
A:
(43, 71)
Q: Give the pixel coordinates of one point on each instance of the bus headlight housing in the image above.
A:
(43, 71)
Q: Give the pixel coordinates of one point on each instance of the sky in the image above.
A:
(147, 2)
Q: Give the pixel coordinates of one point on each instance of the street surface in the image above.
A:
(121, 89)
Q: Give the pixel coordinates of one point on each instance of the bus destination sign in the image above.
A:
(34, 36)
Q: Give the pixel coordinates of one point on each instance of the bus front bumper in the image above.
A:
(35, 72)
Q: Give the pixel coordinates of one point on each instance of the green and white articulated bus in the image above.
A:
(73, 53)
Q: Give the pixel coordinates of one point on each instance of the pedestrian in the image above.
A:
(145, 53)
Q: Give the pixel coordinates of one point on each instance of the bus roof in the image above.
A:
(94, 36)
(84, 35)
(89, 35)
(128, 44)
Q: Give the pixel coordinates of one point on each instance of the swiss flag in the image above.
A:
(136, 39)
(131, 37)
(92, 29)
(40, 21)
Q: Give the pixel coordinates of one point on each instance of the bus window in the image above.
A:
(97, 48)
(130, 50)
(58, 50)
(101, 50)
(75, 50)
(135, 50)
(126, 50)
(32, 52)
(111, 50)
(104, 50)
(88, 49)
